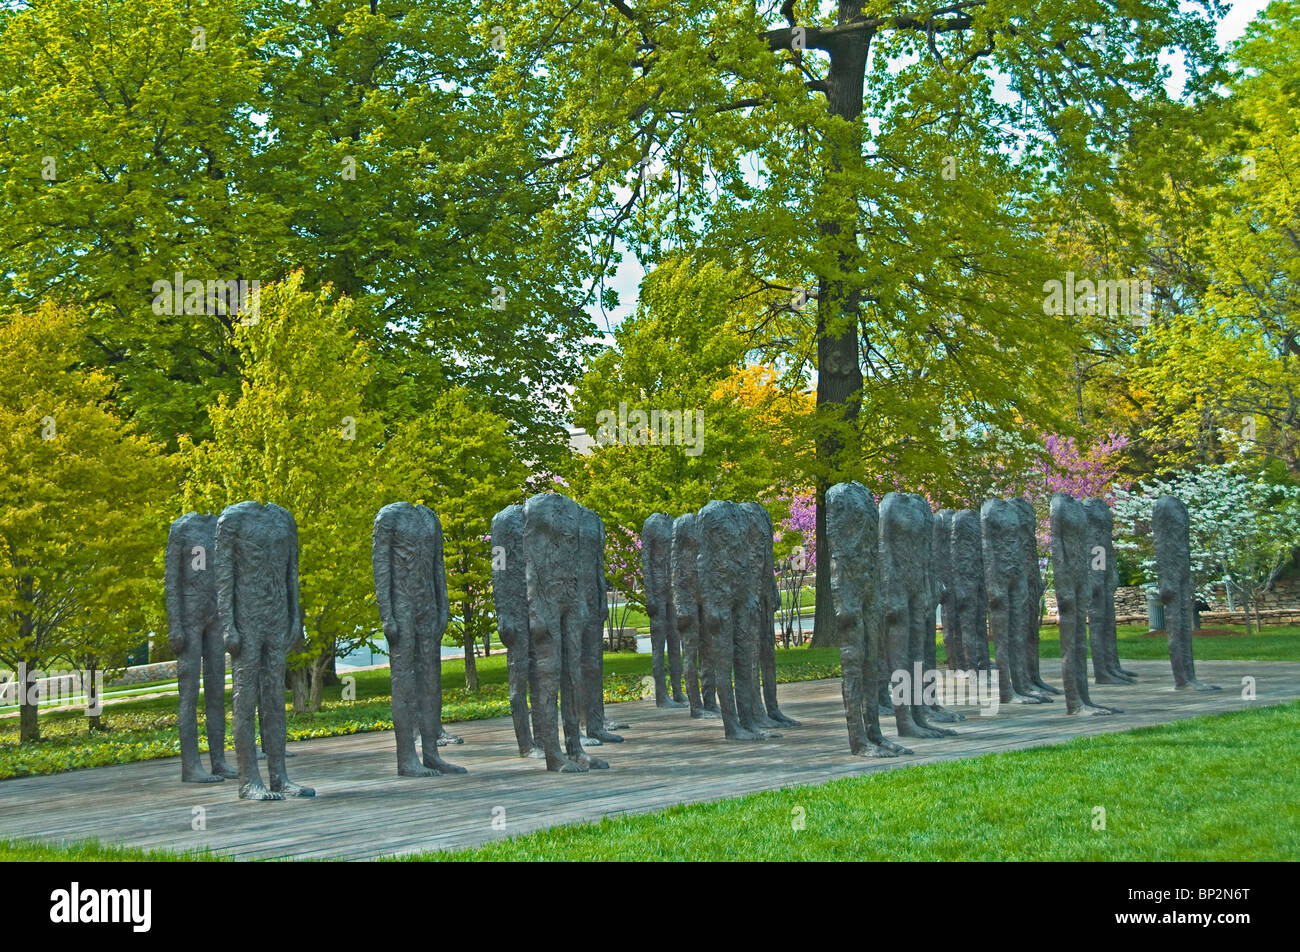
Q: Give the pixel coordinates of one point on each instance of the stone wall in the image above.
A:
(1279, 604)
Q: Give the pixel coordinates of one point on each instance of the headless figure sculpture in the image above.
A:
(905, 540)
(556, 577)
(256, 559)
(592, 542)
(1103, 576)
(195, 636)
(1170, 526)
(1033, 613)
(852, 532)
(656, 575)
(946, 590)
(510, 602)
(769, 598)
(411, 591)
(1008, 591)
(935, 712)
(1070, 559)
(688, 609)
(969, 595)
(730, 611)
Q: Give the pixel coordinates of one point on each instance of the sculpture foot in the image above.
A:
(198, 775)
(705, 714)
(681, 699)
(1090, 710)
(533, 753)
(605, 737)
(616, 726)
(1198, 686)
(440, 766)
(255, 791)
(291, 789)
(885, 710)
(444, 739)
(1127, 673)
(741, 733)
(225, 771)
(669, 702)
(415, 769)
(1111, 679)
(916, 730)
(565, 766)
(589, 740)
(593, 763)
(1046, 688)
(899, 748)
(944, 715)
(1016, 698)
(874, 750)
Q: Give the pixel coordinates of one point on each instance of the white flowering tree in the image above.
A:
(1243, 528)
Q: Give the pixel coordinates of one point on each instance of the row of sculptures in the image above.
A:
(710, 593)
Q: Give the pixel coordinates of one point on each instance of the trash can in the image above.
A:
(1155, 609)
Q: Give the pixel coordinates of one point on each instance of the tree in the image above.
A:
(1243, 528)
(299, 435)
(863, 154)
(82, 507)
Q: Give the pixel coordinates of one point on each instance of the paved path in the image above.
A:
(363, 809)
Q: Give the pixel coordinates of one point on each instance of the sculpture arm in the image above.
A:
(294, 635)
(381, 563)
(223, 559)
(175, 553)
(443, 608)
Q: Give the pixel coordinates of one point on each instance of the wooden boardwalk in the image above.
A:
(363, 809)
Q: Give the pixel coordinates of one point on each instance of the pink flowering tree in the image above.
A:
(795, 544)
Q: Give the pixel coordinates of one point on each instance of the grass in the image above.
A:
(1206, 789)
(1209, 788)
(145, 729)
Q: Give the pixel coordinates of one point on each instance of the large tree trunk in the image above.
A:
(321, 668)
(95, 722)
(839, 373)
(300, 683)
(29, 729)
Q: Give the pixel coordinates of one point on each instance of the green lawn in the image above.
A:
(1209, 788)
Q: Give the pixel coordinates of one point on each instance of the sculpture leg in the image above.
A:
(1000, 622)
(674, 646)
(857, 684)
(1103, 671)
(593, 686)
(428, 668)
(1032, 653)
(658, 640)
(1074, 656)
(517, 680)
(1186, 631)
(406, 690)
(954, 655)
(921, 647)
(187, 722)
(214, 700)
(708, 672)
(274, 730)
(767, 666)
(748, 695)
(246, 700)
(720, 628)
(572, 693)
(1017, 639)
(548, 650)
(930, 634)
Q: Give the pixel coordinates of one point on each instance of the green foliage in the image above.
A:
(82, 502)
